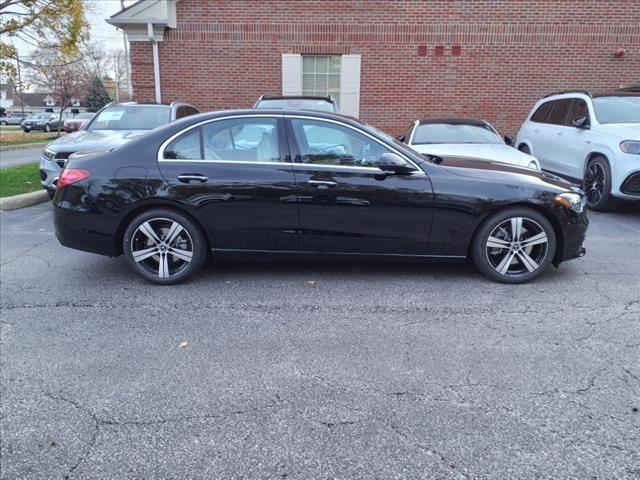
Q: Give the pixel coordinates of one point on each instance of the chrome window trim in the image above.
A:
(164, 144)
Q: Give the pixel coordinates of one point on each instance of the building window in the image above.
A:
(321, 75)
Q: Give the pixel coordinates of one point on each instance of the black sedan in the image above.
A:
(296, 185)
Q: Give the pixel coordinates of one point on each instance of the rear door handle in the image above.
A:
(322, 183)
(192, 177)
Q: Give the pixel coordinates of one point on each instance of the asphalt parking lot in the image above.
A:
(318, 370)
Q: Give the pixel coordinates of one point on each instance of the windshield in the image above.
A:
(131, 117)
(453, 133)
(84, 116)
(36, 117)
(396, 143)
(617, 109)
(298, 104)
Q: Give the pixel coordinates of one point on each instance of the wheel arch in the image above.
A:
(525, 143)
(160, 203)
(558, 254)
(600, 152)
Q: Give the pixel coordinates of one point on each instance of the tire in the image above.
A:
(51, 193)
(4, 124)
(597, 185)
(47, 128)
(26, 130)
(524, 149)
(521, 262)
(156, 263)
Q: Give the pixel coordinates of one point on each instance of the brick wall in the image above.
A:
(498, 57)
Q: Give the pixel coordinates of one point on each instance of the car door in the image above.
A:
(237, 172)
(549, 144)
(572, 149)
(346, 203)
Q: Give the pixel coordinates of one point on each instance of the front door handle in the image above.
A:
(323, 184)
(192, 177)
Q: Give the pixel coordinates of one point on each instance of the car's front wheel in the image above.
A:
(514, 245)
(47, 128)
(3, 123)
(597, 184)
(164, 246)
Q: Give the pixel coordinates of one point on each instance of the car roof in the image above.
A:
(454, 121)
(611, 93)
(269, 96)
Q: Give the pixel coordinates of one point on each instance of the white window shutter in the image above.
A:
(291, 74)
(350, 85)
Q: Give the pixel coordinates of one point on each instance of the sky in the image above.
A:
(101, 32)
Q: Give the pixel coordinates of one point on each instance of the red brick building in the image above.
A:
(388, 62)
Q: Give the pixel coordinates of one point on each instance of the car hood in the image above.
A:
(94, 140)
(484, 170)
(481, 151)
(624, 131)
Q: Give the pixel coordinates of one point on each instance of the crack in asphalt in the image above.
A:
(100, 422)
(27, 251)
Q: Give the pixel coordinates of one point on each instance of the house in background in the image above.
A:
(385, 62)
(29, 102)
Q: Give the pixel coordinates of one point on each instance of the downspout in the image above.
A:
(156, 62)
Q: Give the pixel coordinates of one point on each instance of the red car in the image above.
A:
(76, 123)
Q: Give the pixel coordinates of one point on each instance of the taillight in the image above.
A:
(72, 175)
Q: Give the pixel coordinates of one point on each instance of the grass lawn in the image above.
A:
(21, 179)
(20, 138)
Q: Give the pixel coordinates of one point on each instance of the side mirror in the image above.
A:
(401, 138)
(393, 163)
(581, 122)
(508, 139)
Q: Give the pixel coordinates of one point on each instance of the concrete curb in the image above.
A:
(23, 146)
(23, 200)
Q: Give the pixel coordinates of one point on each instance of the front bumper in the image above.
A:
(49, 173)
(574, 231)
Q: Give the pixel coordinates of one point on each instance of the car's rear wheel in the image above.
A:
(524, 149)
(164, 246)
(514, 245)
(3, 123)
(597, 184)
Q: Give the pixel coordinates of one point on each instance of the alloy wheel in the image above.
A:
(162, 247)
(517, 247)
(594, 183)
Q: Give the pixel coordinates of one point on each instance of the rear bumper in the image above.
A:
(83, 231)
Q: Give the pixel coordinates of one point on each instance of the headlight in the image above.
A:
(573, 201)
(630, 146)
(48, 154)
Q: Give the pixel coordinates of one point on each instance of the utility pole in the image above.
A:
(126, 58)
(20, 83)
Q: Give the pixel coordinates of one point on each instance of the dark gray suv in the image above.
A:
(114, 125)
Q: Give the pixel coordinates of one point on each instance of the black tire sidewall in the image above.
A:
(607, 200)
(480, 239)
(194, 230)
(524, 149)
(47, 128)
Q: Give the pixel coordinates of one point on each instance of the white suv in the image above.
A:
(592, 138)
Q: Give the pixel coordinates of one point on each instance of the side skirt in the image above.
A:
(270, 255)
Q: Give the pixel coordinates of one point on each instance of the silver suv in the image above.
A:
(114, 125)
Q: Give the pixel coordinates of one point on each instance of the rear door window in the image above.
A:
(541, 114)
(559, 111)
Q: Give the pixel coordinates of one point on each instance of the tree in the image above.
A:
(60, 77)
(45, 25)
(97, 95)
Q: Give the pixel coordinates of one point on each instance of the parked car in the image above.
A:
(593, 139)
(14, 118)
(115, 124)
(210, 183)
(465, 137)
(46, 122)
(298, 102)
(76, 123)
